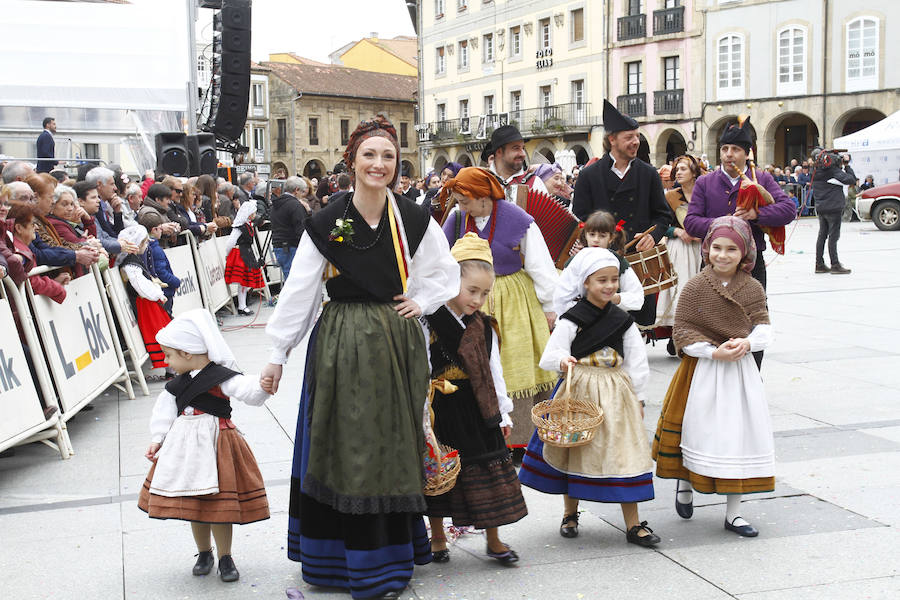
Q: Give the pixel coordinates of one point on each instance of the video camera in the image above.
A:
(825, 159)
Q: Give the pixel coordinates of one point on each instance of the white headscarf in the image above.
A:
(570, 286)
(244, 213)
(196, 332)
(136, 234)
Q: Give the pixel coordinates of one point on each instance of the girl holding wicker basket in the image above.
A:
(473, 418)
(598, 348)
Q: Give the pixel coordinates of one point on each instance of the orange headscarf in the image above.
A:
(474, 182)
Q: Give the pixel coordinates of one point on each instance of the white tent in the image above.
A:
(875, 150)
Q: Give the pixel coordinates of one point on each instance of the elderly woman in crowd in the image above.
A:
(555, 180)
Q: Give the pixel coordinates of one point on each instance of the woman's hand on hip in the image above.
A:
(407, 308)
(269, 378)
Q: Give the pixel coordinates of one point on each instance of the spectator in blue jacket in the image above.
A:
(157, 262)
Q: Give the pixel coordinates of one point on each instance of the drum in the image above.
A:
(654, 269)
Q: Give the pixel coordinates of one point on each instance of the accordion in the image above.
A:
(559, 227)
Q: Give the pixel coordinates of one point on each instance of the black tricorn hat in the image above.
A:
(505, 134)
(614, 121)
(738, 134)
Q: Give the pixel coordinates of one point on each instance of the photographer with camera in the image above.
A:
(830, 175)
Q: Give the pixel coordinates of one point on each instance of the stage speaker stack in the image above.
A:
(202, 154)
(230, 70)
(172, 153)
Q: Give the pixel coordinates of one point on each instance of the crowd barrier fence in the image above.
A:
(78, 348)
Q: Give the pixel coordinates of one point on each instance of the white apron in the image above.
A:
(186, 464)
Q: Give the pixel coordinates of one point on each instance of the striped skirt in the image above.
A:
(152, 317)
(237, 271)
(368, 554)
(242, 494)
(487, 491)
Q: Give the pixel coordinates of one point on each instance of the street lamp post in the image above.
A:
(294, 135)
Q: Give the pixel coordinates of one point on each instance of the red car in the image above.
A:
(882, 205)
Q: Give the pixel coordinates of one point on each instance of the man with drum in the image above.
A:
(628, 188)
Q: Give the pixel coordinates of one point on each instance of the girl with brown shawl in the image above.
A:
(474, 418)
(714, 432)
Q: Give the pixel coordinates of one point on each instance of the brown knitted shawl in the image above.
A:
(711, 312)
(476, 361)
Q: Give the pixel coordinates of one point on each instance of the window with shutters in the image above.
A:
(545, 40)
(462, 54)
(730, 67)
(791, 61)
(862, 54)
(404, 135)
(259, 139)
(576, 23)
(489, 104)
(515, 42)
(440, 65)
(488, 45)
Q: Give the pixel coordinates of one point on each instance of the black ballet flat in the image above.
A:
(440, 556)
(506, 557)
(742, 530)
(685, 510)
(244, 312)
(647, 541)
(569, 531)
(227, 571)
(204, 563)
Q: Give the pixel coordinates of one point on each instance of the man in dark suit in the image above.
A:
(406, 187)
(627, 187)
(46, 146)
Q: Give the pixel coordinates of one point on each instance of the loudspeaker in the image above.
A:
(231, 70)
(202, 154)
(172, 153)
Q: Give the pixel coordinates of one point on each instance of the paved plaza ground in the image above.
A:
(72, 530)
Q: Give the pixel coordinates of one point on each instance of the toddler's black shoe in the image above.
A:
(227, 571)
(204, 563)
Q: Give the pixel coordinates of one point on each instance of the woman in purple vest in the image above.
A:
(522, 298)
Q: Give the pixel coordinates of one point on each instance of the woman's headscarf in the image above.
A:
(546, 171)
(454, 167)
(474, 182)
(136, 234)
(570, 285)
(738, 231)
(196, 332)
(378, 126)
(247, 210)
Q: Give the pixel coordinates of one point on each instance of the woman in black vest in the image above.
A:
(355, 518)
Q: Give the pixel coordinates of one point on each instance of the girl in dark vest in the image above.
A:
(474, 417)
(203, 470)
(603, 347)
(714, 433)
(145, 291)
(241, 265)
(522, 297)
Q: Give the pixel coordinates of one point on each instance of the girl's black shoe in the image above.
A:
(245, 312)
(647, 541)
(507, 557)
(204, 563)
(227, 571)
(440, 556)
(569, 531)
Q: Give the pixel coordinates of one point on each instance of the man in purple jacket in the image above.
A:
(715, 194)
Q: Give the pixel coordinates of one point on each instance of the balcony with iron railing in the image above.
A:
(633, 105)
(668, 20)
(632, 27)
(543, 121)
(668, 102)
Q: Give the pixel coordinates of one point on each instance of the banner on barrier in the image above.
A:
(187, 296)
(213, 269)
(78, 342)
(19, 404)
(124, 313)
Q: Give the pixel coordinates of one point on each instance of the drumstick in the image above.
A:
(638, 237)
